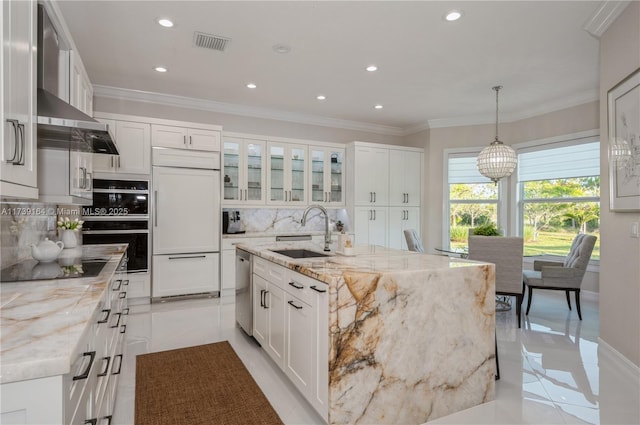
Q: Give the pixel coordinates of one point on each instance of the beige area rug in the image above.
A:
(202, 385)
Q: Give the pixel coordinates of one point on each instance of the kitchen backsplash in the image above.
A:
(23, 224)
(282, 220)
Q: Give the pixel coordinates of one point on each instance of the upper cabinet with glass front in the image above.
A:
(327, 176)
(244, 171)
(287, 173)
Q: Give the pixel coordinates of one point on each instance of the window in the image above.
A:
(473, 199)
(560, 196)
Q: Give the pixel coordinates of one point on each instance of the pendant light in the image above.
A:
(497, 160)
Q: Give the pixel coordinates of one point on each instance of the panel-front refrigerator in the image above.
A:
(186, 222)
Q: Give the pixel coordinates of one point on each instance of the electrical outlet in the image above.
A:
(635, 229)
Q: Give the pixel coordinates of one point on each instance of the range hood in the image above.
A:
(60, 125)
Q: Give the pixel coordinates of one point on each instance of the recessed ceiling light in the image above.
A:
(281, 48)
(160, 69)
(321, 97)
(378, 106)
(167, 23)
(251, 85)
(453, 15)
(372, 68)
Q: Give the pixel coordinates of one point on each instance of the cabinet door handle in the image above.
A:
(119, 285)
(374, 197)
(125, 312)
(240, 196)
(265, 299)
(117, 325)
(297, 307)
(119, 364)
(106, 367)
(112, 162)
(187, 257)
(106, 317)
(184, 140)
(108, 418)
(246, 194)
(123, 329)
(295, 285)
(90, 180)
(122, 295)
(262, 298)
(190, 141)
(315, 288)
(23, 144)
(370, 196)
(155, 215)
(118, 161)
(14, 124)
(85, 374)
(374, 215)
(125, 282)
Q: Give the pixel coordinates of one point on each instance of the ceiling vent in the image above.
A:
(209, 41)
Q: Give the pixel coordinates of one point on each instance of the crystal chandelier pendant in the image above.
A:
(497, 160)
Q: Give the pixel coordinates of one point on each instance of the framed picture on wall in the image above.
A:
(624, 144)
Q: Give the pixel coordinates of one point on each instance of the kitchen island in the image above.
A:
(410, 336)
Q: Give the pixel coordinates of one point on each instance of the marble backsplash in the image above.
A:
(23, 224)
(283, 220)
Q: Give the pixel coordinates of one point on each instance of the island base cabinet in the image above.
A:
(275, 307)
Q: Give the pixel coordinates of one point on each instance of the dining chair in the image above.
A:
(562, 276)
(506, 254)
(413, 240)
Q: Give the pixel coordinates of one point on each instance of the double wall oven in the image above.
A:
(120, 214)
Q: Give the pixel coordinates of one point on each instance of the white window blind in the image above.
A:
(565, 162)
(464, 169)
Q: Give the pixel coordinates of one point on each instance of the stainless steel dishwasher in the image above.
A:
(244, 291)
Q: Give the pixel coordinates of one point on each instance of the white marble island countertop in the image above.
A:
(411, 336)
(41, 321)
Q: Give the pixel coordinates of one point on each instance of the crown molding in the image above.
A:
(242, 110)
(578, 99)
(604, 16)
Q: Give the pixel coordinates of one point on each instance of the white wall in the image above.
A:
(620, 258)
(241, 124)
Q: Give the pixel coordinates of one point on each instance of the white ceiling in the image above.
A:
(430, 71)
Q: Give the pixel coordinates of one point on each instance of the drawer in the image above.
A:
(299, 286)
(185, 274)
(261, 267)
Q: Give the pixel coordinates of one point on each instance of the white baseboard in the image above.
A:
(625, 365)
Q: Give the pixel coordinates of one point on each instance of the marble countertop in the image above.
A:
(365, 259)
(41, 322)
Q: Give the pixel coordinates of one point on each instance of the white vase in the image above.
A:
(69, 238)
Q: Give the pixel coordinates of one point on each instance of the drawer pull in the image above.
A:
(85, 374)
(265, 299)
(106, 318)
(123, 294)
(292, 283)
(262, 298)
(125, 312)
(118, 322)
(92, 421)
(297, 307)
(119, 364)
(123, 329)
(119, 285)
(106, 366)
(191, 256)
(108, 418)
(125, 282)
(318, 290)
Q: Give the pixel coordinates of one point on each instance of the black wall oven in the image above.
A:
(120, 214)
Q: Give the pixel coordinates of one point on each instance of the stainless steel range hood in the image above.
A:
(60, 125)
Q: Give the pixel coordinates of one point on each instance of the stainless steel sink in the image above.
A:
(300, 253)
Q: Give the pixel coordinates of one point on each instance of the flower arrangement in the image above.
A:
(67, 223)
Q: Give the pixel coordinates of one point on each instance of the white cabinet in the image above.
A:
(286, 174)
(404, 177)
(174, 192)
(371, 171)
(371, 225)
(291, 323)
(18, 162)
(327, 176)
(184, 138)
(65, 176)
(229, 258)
(184, 274)
(400, 219)
(80, 88)
(133, 140)
(244, 171)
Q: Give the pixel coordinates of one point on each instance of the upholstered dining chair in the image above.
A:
(506, 254)
(413, 240)
(562, 276)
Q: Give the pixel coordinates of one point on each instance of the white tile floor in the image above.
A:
(551, 369)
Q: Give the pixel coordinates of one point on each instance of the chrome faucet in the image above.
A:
(327, 233)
